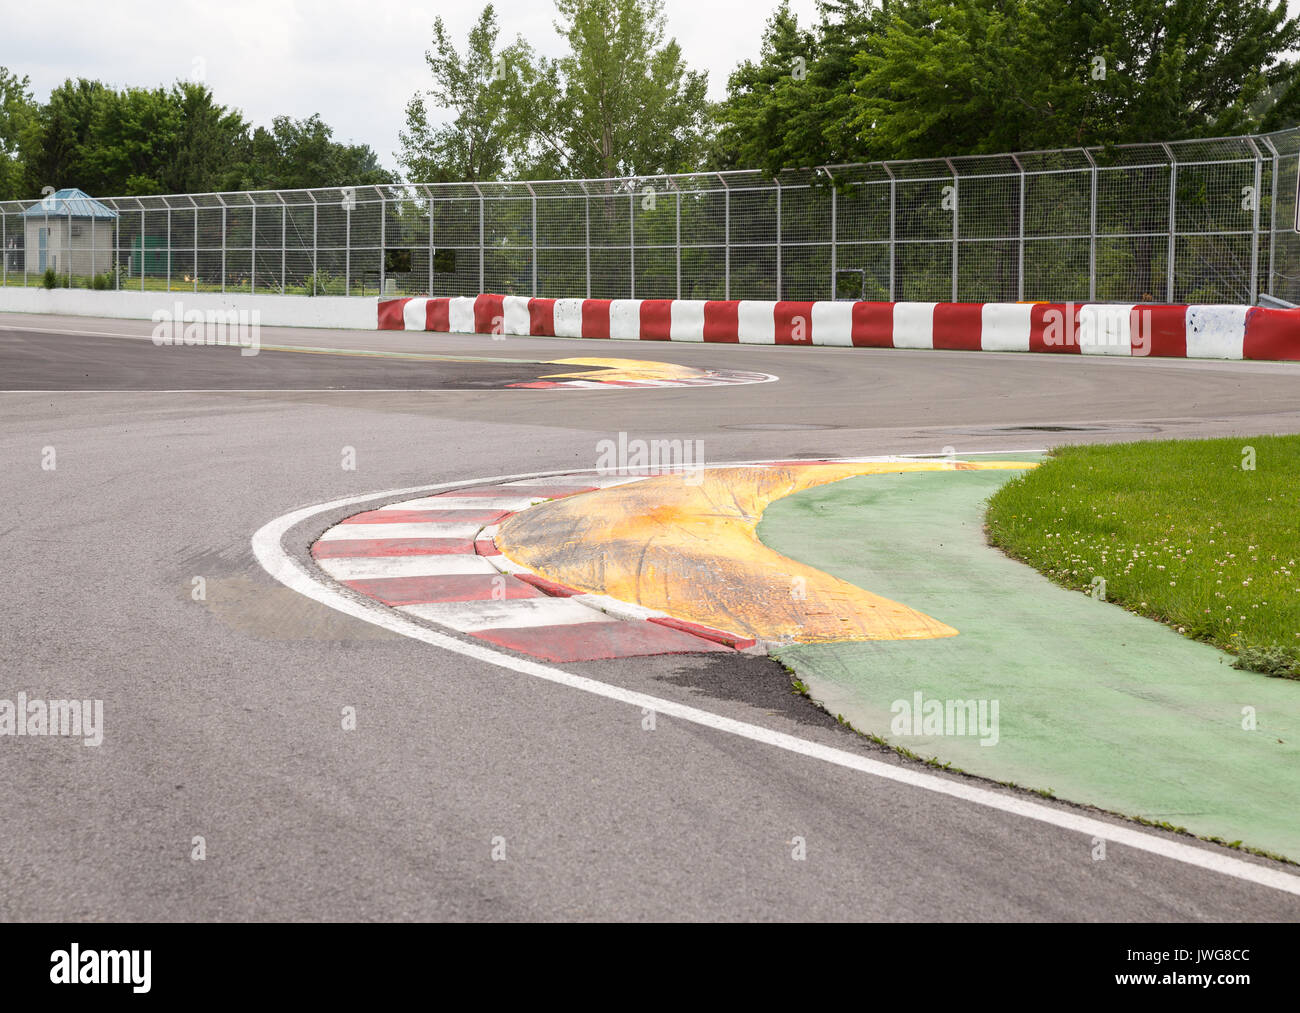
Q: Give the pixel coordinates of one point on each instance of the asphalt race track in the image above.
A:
(222, 715)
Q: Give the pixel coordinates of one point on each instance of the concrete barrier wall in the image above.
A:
(1203, 332)
(344, 312)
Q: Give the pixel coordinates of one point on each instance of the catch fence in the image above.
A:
(1210, 221)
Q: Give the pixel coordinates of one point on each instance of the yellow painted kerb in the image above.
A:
(686, 544)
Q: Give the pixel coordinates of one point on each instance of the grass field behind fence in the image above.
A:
(1201, 534)
(326, 285)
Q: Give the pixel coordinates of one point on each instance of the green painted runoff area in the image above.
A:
(1095, 704)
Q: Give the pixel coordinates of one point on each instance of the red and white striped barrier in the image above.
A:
(1196, 332)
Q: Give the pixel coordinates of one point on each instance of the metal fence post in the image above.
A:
(631, 242)
(726, 238)
(431, 248)
(956, 212)
(284, 243)
(1272, 216)
(347, 248)
(777, 181)
(482, 233)
(142, 247)
(893, 225)
(195, 266)
(1092, 228)
(252, 253)
(4, 248)
(1173, 219)
(1254, 227)
(533, 194)
(223, 243)
(169, 248)
(383, 243)
(1020, 264)
(835, 222)
(677, 241)
(586, 194)
(315, 246)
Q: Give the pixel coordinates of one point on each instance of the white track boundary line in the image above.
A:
(269, 550)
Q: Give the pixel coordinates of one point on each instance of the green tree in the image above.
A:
(621, 101)
(794, 105)
(980, 76)
(482, 141)
(301, 154)
(132, 137)
(209, 142)
(62, 145)
(17, 118)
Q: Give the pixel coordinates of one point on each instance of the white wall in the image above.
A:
(359, 313)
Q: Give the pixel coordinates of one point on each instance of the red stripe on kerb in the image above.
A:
(656, 319)
(489, 314)
(722, 321)
(705, 632)
(345, 548)
(548, 587)
(1272, 334)
(392, 314)
(437, 315)
(793, 323)
(1054, 327)
(595, 318)
(444, 587)
(596, 641)
(873, 325)
(958, 326)
(541, 317)
(1167, 326)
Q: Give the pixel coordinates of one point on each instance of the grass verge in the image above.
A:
(1201, 534)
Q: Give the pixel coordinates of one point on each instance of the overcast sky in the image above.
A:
(356, 64)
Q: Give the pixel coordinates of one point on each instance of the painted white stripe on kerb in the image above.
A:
(514, 309)
(625, 319)
(414, 314)
(416, 529)
(686, 320)
(365, 568)
(273, 558)
(914, 324)
(568, 318)
(460, 315)
(1004, 327)
(1216, 332)
(513, 613)
(832, 323)
(757, 322)
(619, 609)
(1105, 329)
(511, 503)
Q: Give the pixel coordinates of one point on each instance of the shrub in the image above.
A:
(50, 279)
(1279, 662)
(322, 283)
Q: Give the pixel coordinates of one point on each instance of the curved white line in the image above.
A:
(270, 553)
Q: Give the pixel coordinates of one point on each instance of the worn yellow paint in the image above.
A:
(625, 369)
(686, 544)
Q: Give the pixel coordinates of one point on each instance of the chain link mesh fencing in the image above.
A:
(1193, 221)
